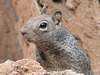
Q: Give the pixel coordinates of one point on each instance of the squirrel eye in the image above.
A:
(43, 25)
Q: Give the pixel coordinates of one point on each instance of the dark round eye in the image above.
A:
(43, 25)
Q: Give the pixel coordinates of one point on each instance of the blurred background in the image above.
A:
(80, 17)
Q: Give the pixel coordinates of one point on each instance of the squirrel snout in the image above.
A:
(23, 33)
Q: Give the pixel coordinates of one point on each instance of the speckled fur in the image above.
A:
(57, 49)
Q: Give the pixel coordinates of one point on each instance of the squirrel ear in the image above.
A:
(43, 10)
(57, 17)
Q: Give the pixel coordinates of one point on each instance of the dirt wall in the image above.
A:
(9, 45)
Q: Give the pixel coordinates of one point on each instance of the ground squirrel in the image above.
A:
(57, 49)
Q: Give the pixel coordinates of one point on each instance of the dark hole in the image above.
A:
(99, 1)
(58, 1)
(40, 4)
(77, 38)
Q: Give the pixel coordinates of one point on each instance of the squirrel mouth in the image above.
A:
(30, 40)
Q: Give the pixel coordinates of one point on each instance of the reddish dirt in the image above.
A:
(9, 45)
(28, 67)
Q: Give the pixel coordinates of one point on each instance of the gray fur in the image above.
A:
(43, 10)
(57, 49)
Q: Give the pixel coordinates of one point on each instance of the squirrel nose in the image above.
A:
(23, 32)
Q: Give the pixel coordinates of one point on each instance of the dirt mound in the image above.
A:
(28, 67)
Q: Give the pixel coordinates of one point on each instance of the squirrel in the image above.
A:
(57, 49)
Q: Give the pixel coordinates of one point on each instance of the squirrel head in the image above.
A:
(43, 27)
